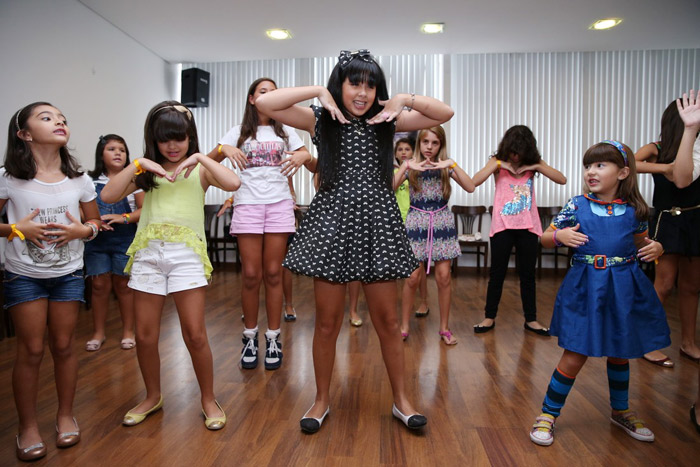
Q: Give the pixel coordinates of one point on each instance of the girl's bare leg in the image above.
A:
(190, 309)
(30, 320)
(381, 301)
(148, 309)
(330, 302)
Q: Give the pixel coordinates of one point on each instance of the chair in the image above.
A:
(468, 222)
(546, 215)
(217, 233)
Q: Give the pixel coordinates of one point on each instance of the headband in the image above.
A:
(619, 147)
(347, 56)
(180, 108)
(17, 117)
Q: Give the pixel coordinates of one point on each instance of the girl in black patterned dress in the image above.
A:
(353, 229)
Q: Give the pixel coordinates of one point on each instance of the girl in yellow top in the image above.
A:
(168, 255)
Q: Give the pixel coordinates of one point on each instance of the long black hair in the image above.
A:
(356, 71)
(99, 154)
(19, 161)
(671, 134)
(167, 121)
(249, 126)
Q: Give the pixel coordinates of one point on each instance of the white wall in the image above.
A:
(101, 79)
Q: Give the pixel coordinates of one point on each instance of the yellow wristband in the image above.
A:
(231, 199)
(15, 233)
(139, 169)
(498, 163)
(453, 166)
(221, 146)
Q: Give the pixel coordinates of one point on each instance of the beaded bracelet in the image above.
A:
(413, 100)
(95, 231)
(126, 217)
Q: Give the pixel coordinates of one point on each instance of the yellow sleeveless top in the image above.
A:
(173, 212)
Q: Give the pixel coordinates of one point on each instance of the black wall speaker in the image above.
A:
(195, 88)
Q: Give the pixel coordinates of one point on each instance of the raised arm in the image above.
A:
(482, 175)
(280, 105)
(122, 184)
(550, 172)
(425, 112)
(400, 175)
(646, 161)
(211, 173)
(458, 175)
(689, 110)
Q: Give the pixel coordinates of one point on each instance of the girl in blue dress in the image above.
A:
(606, 306)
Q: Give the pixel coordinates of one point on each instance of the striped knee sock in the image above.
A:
(558, 389)
(619, 383)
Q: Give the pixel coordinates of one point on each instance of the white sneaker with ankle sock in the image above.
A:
(273, 351)
(249, 353)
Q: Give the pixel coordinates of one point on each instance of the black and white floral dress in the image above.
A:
(353, 231)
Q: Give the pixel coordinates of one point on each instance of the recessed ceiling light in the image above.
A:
(432, 28)
(606, 23)
(278, 34)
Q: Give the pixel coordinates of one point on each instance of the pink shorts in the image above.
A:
(263, 218)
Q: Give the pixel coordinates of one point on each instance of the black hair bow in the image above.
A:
(347, 56)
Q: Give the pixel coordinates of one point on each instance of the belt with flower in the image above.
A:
(602, 261)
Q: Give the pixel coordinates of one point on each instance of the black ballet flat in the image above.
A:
(413, 422)
(541, 332)
(479, 329)
(311, 424)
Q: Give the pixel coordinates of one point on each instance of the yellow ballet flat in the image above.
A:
(131, 418)
(214, 423)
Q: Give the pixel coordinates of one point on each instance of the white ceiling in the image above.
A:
(225, 30)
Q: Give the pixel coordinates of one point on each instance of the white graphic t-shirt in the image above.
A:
(53, 201)
(261, 181)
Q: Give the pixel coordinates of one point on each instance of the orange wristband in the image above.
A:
(15, 233)
(139, 169)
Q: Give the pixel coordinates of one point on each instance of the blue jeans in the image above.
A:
(20, 289)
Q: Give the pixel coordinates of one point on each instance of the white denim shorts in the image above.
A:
(165, 267)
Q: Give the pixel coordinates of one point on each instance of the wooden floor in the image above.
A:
(480, 396)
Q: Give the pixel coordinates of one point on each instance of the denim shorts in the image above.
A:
(20, 289)
(101, 262)
(107, 253)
